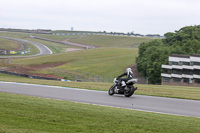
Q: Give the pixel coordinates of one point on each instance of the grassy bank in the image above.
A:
(99, 61)
(8, 44)
(33, 50)
(94, 40)
(152, 90)
(29, 114)
(102, 40)
(110, 41)
(12, 45)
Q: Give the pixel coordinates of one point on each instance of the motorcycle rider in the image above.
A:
(129, 75)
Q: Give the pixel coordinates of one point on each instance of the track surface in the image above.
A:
(136, 102)
(43, 49)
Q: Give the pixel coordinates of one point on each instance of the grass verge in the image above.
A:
(22, 114)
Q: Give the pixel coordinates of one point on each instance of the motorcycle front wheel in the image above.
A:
(111, 90)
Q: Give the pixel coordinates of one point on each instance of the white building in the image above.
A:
(182, 70)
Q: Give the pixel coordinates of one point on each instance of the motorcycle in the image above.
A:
(127, 90)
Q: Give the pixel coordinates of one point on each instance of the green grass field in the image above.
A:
(99, 61)
(56, 37)
(8, 44)
(110, 41)
(95, 40)
(87, 61)
(102, 40)
(22, 114)
(15, 34)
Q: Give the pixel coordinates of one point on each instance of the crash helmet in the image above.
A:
(128, 70)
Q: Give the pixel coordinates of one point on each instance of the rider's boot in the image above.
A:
(123, 84)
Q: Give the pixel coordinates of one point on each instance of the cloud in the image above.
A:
(143, 16)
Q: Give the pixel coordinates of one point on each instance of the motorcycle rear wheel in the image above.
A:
(129, 92)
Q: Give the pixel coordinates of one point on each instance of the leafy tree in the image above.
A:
(198, 51)
(156, 52)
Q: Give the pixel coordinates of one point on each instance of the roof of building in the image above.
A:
(196, 55)
(180, 55)
(184, 56)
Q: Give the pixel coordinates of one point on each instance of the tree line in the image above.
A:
(154, 53)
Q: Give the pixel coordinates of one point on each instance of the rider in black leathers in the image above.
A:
(129, 75)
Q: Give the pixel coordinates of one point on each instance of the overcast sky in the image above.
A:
(140, 16)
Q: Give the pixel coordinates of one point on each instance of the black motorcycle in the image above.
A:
(127, 90)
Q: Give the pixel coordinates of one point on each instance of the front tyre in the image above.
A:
(129, 92)
(111, 90)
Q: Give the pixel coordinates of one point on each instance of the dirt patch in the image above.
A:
(42, 66)
(72, 49)
(29, 69)
(77, 44)
(65, 40)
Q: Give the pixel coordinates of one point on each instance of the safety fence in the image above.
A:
(75, 75)
(27, 76)
(72, 75)
(68, 76)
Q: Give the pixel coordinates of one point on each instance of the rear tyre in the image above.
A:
(129, 92)
(111, 90)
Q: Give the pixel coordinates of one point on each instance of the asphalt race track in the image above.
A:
(44, 50)
(136, 102)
